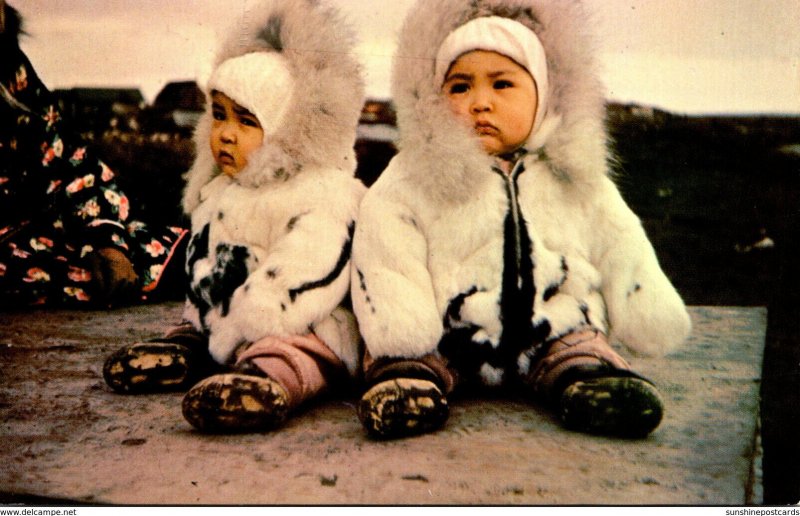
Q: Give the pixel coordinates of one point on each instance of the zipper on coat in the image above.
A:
(517, 294)
(511, 190)
(518, 288)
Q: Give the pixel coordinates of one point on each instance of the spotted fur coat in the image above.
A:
(270, 251)
(452, 255)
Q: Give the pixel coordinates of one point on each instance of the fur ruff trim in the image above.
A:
(575, 141)
(319, 126)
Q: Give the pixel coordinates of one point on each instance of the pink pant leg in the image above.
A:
(299, 363)
(585, 349)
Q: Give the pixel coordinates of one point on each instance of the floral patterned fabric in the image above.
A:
(59, 203)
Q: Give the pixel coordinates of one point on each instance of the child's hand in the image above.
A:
(114, 282)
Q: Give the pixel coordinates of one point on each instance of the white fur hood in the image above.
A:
(572, 137)
(320, 125)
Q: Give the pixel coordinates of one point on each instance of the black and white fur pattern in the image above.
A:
(455, 257)
(271, 247)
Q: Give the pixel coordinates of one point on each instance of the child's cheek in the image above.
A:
(460, 112)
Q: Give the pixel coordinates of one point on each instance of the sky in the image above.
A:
(684, 56)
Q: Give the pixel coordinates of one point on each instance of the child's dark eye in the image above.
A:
(218, 114)
(503, 84)
(459, 87)
(250, 122)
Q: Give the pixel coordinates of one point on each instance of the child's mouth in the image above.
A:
(485, 128)
(225, 159)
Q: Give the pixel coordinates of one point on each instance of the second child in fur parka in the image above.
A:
(480, 260)
(273, 202)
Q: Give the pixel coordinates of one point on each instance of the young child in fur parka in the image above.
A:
(494, 250)
(273, 202)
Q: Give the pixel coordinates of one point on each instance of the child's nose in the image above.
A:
(481, 102)
(228, 134)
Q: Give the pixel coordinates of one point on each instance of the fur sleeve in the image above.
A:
(299, 282)
(392, 291)
(644, 309)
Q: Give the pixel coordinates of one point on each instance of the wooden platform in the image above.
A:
(66, 436)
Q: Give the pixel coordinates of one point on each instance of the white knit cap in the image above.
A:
(260, 82)
(504, 36)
